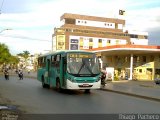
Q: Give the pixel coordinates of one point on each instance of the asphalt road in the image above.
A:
(30, 97)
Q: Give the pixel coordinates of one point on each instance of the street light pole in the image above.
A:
(5, 30)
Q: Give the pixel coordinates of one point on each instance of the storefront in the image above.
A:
(132, 62)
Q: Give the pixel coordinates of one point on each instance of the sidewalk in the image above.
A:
(142, 89)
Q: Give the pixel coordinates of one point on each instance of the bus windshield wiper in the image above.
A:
(84, 64)
(81, 66)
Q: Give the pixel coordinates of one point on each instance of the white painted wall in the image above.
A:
(95, 23)
(54, 43)
(136, 41)
(95, 42)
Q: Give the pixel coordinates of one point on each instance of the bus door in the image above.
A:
(48, 70)
(63, 69)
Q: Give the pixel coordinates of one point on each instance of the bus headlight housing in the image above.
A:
(98, 79)
(72, 80)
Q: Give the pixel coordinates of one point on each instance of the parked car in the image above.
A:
(157, 80)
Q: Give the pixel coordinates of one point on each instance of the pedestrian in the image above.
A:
(6, 74)
(20, 74)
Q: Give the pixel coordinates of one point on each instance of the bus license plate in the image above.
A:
(85, 85)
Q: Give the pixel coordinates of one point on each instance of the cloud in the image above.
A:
(154, 38)
(37, 19)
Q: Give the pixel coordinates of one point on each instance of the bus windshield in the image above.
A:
(82, 64)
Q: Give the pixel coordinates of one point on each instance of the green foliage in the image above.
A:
(14, 60)
(5, 55)
(25, 54)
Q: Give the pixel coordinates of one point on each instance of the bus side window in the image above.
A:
(58, 58)
(41, 62)
(53, 60)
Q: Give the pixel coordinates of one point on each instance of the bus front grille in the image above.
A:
(85, 81)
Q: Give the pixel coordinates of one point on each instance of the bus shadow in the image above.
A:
(71, 92)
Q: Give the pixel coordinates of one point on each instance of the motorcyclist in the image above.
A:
(6, 74)
(20, 74)
(103, 77)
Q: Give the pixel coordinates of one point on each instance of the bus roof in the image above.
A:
(64, 51)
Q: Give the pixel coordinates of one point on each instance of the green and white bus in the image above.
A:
(69, 70)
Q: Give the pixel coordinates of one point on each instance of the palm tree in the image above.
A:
(25, 55)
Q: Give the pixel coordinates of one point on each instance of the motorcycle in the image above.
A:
(6, 74)
(20, 74)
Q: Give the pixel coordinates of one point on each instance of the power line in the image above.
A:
(28, 38)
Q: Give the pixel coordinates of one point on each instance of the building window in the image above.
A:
(108, 41)
(146, 37)
(90, 39)
(133, 36)
(100, 40)
(70, 21)
(140, 70)
(136, 59)
(116, 26)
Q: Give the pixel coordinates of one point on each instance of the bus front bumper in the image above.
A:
(73, 85)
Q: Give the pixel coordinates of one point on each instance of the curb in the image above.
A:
(132, 94)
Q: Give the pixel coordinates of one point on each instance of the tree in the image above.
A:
(4, 53)
(14, 60)
(25, 54)
(6, 58)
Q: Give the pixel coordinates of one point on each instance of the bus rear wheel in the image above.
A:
(58, 88)
(43, 83)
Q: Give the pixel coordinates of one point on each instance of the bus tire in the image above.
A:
(43, 83)
(58, 88)
(87, 90)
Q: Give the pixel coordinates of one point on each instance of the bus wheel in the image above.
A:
(87, 91)
(43, 84)
(58, 86)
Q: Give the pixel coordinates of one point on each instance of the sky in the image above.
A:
(29, 24)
